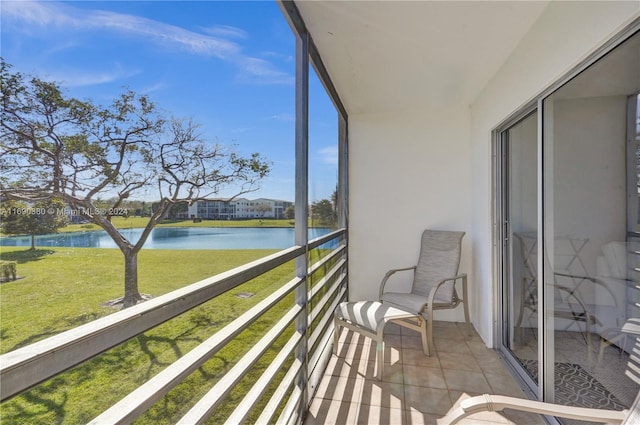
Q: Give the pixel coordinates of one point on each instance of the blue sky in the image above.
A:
(228, 64)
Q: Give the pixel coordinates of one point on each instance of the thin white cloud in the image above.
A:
(77, 79)
(33, 13)
(161, 85)
(28, 15)
(227, 31)
(329, 155)
(279, 56)
(59, 48)
(258, 70)
(283, 117)
(164, 34)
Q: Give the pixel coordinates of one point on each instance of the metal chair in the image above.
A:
(569, 305)
(434, 284)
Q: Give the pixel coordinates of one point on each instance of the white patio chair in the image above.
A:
(569, 305)
(468, 406)
(433, 288)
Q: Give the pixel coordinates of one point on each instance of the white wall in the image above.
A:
(589, 172)
(564, 35)
(406, 173)
(589, 193)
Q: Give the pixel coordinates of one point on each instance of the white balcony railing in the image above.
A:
(26, 367)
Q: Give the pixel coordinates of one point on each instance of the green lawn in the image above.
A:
(62, 288)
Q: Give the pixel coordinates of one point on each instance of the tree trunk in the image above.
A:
(131, 293)
(33, 242)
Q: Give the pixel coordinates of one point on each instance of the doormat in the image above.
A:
(576, 387)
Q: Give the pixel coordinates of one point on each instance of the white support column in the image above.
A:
(343, 172)
(301, 202)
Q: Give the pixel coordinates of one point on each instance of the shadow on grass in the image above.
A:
(154, 362)
(72, 322)
(60, 325)
(26, 256)
(52, 406)
(85, 391)
(58, 400)
(151, 344)
(33, 338)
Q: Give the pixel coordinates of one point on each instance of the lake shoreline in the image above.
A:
(176, 238)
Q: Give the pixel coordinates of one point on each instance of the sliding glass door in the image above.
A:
(590, 229)
(567, 232)
(519, 227)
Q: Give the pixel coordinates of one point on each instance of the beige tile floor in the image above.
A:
(415, 389)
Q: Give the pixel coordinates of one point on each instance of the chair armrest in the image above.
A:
(593, 280)
(388, 275)
(432, 294)
(497, 403)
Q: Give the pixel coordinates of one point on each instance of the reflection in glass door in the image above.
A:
(519, 180)
(567, 179)
(590, 227)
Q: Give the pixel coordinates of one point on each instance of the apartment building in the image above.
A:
(238, 208)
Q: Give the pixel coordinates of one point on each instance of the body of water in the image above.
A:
(174, 238)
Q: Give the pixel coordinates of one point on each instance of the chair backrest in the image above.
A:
(439, 259)
(633, 372)
(633, 365)
(633, 417)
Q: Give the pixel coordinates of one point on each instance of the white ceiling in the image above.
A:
(386, 56)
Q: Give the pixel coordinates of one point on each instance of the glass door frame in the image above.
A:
(501, 226)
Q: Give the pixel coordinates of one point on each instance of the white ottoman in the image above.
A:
(368, 318)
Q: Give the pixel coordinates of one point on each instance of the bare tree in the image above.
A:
(263, 209)
(53, 146)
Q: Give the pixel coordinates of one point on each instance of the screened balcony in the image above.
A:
(419, 93)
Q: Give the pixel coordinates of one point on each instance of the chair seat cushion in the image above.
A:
(410, 302)
(369, 314)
